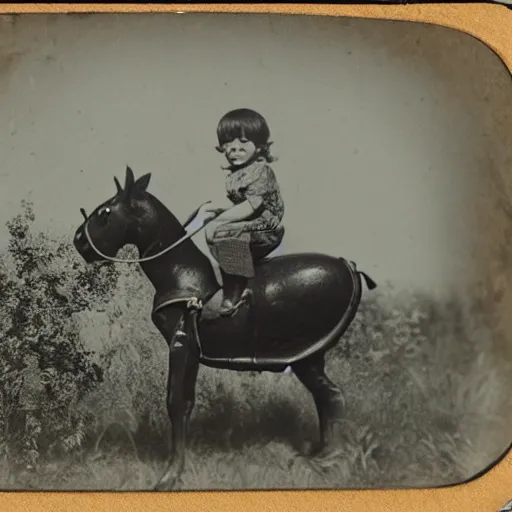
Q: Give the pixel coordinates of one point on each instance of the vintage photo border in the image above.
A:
(490, 23)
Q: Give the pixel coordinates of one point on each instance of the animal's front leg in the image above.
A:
(183, 368)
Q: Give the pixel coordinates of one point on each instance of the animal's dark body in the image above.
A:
(301, 305)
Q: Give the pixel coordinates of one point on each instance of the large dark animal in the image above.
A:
(301, 305)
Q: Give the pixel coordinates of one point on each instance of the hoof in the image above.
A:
(164, 486)
(170, 480)
(328, 453)
(311, 449)
(333, 441)
(335, 434)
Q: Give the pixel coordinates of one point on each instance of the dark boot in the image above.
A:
(234, 290)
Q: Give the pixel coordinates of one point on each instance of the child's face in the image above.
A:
(239, 151)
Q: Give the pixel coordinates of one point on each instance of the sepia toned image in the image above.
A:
(251, 252)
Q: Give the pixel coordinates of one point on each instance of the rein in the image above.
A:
(147, 258)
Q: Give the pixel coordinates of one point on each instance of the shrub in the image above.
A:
(44, 369)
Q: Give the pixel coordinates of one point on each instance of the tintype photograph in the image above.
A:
(248, 251)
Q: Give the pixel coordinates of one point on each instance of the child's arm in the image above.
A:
(237, 213)
(217, 205)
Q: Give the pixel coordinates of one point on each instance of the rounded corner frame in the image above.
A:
(488, 491)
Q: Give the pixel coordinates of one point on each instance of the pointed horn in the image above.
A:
(84, 215)
(130, 179)
(118, 185)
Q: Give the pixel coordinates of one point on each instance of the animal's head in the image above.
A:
(114, 223)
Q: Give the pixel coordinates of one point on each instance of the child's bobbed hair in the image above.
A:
(245, 123)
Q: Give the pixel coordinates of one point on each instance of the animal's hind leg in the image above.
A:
(329, 400)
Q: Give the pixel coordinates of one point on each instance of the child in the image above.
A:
(249, 227)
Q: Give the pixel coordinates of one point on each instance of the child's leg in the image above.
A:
(233, 289)
(235, 261)
(236, 253)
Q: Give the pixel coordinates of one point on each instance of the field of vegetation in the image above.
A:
(83, 374)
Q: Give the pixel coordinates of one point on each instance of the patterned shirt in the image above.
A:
(258, 185)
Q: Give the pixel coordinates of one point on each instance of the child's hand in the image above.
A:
(205, 209)
(217, 206)
(206, 212)
(209, 215)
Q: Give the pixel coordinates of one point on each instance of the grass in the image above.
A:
(426, 405)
